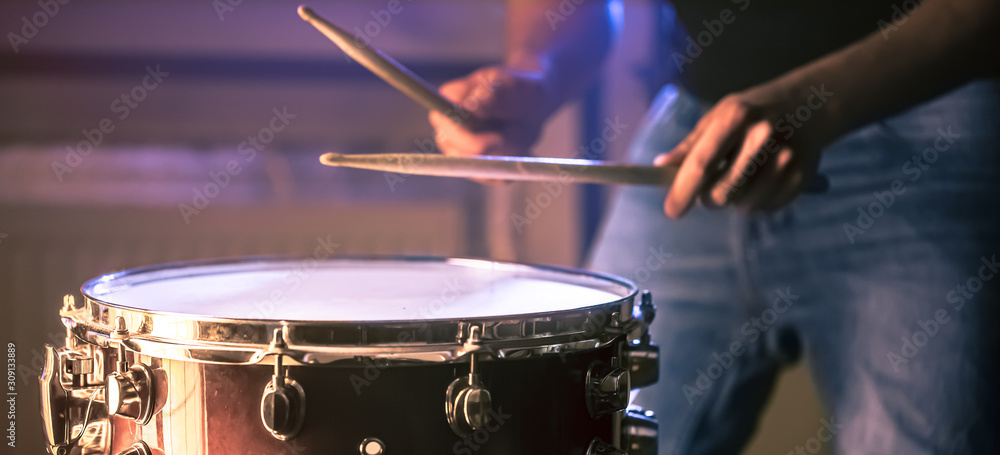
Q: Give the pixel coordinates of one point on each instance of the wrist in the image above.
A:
(539, 71)
(809, 100)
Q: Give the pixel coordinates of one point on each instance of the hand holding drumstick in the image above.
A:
(506, 109)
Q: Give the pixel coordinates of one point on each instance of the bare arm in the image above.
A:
(552, 55)
(943, 44)
(567, 47)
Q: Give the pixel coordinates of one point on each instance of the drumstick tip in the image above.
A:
(330, 159)
(306, 13)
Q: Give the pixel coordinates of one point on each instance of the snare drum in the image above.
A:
(350, 356)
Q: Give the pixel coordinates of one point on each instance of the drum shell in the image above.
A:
(214, 409)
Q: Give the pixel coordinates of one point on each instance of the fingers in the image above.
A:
(801, 168)
(770, 178)
(505, 104)
(729, 159)
(751, 159)
(672, 158)
(455, 90)
(789, 190)
(454, 140)
(700, 166)
(476, 95)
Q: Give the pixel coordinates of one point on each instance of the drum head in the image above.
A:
(408, 309)
(354, 290)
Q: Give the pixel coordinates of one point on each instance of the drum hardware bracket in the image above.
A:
(61, 404)
(616, 320)
(139, 448)
(283, 403)
(644, 318)
(467, 401)
(639, 431)
(607, 388)
(643, 357)
(599, 447)
(69, 306)
(470, 336)
(68, 391)
(621, 325)
(129, 389)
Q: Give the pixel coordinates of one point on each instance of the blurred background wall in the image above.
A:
(120, 121)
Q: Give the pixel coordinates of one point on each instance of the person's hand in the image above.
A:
(514, 103)
(749, 151)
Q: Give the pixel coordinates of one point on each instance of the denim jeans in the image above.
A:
(886, 286)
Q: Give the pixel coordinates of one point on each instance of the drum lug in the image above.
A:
(130, 394)
(129, 390)
(467, 402)
(607, 389)
(139, 448)
(283, 403)
(599, 447)
(639, 431)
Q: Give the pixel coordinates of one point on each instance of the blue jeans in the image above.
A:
(885, 286)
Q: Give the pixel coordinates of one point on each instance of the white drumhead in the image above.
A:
(355, 290)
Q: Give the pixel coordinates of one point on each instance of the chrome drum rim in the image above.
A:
(249, 341)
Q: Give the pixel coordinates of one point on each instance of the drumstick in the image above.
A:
(534, 169)
(507, 168)
(393, 72)
(519, 168)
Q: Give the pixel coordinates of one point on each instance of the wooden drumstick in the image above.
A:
(483, 167)
(519, 168)
(393, 72)
(507, 168)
